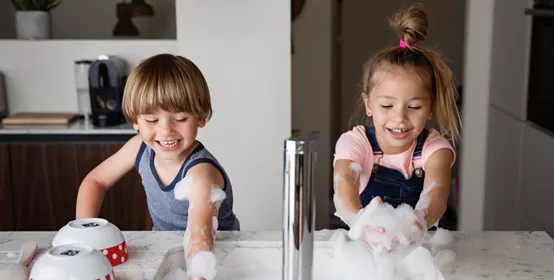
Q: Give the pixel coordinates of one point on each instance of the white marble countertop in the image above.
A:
(79, 126)
(479, 255)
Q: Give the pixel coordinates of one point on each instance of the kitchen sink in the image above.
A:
(248, 261)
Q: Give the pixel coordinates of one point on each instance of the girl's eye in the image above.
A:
(386, 106)
(415, 107)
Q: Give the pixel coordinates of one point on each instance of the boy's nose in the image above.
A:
(166, 129)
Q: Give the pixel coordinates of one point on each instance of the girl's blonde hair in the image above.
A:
(411, 25)
(169, 82)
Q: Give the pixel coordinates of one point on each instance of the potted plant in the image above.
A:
(32, 18)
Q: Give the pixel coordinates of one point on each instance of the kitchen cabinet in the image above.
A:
(537, 184)
(504, 150)
(6, 206)
(125, 203)
(45, 179)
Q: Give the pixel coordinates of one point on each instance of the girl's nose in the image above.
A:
(399, 114)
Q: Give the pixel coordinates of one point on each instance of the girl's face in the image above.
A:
(170, 134)
(400, 106)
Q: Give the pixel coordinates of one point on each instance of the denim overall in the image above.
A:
(390, 184)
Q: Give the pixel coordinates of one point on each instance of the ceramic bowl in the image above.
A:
(72, 261)
(97, 233)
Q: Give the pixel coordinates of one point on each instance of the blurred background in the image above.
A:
(302, 72)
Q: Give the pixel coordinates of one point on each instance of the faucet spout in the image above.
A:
(299, 206)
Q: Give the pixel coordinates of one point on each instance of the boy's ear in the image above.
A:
(201, 123)
(135, 126)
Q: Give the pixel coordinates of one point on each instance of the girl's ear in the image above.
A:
(430, 116)
(366, 104)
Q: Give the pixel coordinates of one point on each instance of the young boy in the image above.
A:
(167, 99)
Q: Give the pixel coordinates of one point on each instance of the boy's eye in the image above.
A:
(151, 120)
(181, 119)
(386, 106)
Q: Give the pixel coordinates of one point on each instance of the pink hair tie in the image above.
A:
(404, 44)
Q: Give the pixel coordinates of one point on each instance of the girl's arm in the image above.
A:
(103, 177)
(346, 182)
(436, 188)
(204, 194)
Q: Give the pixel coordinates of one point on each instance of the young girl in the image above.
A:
(167, 99)
(398, 160)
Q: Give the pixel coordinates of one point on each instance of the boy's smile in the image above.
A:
(170, 134)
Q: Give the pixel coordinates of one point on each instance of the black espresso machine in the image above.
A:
(107, 78)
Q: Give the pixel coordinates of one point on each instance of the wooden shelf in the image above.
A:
(540, 12)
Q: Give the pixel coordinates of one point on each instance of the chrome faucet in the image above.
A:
(299, 206)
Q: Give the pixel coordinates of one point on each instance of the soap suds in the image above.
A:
(202, 265)
(354, 261)
(424, 199)
(346, 216)
(445, 259)
(441, 237)
(199, 257)
(356, 167)
(183, 190)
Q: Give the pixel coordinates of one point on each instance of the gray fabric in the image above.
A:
(169, 214)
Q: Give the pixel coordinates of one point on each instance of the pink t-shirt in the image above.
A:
(354, 145)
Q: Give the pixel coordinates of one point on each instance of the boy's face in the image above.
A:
(170, 134)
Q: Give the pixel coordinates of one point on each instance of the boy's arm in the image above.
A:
(202, 187)
(436, 189)
(103, 177)
(202, 208)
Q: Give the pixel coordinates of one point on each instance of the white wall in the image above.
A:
(40, 76)
(475, 113)
(243, 48)
(311, 91)
(85, 19)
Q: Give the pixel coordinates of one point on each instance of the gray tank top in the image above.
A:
(169, 214)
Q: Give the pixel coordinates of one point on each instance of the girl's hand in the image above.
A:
(421, 224)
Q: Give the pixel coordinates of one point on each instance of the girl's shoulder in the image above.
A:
(353, 145)
(434, 142)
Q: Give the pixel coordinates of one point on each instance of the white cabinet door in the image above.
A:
(511, 37)
(502, 183)
(537, 188)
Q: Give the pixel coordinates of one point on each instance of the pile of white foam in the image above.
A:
(401, 252)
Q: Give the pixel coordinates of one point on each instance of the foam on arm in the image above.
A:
(352, 153)
(345, 185)
(204, 200)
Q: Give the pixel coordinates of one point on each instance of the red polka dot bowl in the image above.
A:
(72, 261)
(97, 233)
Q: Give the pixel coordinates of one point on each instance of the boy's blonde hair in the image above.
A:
(411, 26)
(169, 82)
